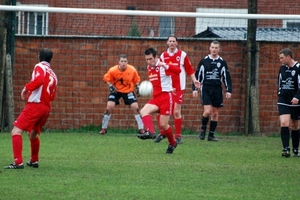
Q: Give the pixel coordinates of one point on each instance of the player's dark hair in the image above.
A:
(286, 52)
(215, 42)
(150, 51)
(172, 35)
(46, 55)
(122, 56)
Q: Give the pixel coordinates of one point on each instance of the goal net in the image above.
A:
(87, 38)
(39, 19)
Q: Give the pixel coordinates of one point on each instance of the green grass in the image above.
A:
(95, 128)
(118, 166)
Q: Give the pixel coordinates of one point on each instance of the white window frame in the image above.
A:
(169, 27)
(202, 23)
(25, 23)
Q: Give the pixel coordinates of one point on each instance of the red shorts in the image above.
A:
(33, 117)
(178, 96)
(164, 102)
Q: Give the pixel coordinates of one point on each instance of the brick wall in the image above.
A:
(82, 95)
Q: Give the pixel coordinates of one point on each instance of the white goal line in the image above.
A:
(145, 13)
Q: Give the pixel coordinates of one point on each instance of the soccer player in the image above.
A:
(179, 58)
(162, 98)
(38, 93)
(122, 79)
(211, 72)
(288, 101)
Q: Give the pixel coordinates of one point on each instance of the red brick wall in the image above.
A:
(80, 64)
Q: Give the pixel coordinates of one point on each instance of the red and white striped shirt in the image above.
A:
(180, 59)
(42, 87)
(161, 78)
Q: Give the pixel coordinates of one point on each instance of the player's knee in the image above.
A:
(135, 108)
(143, 113)
(294, 126)
(215, 115)
(284, 124)
(177, 114)
(32, 136)
(107, 111)
(16, 131)
(207, 113)
(163, 125)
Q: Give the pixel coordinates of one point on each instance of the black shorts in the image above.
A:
(294, 111)
(128, 98)
(212, 95)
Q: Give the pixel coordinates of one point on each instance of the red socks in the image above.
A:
(169, 134)
(178, 125)
(17, 145)
(148, 124)
(35, 147)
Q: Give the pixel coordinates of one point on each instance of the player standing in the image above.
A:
(38, 93)
(179, 58)
(288, 101)
(121, 80)
(211, 72)
(162, 98)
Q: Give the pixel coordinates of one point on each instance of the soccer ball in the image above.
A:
(145, 88)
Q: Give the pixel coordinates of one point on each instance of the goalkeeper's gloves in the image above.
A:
(112, 89)
(137, 90)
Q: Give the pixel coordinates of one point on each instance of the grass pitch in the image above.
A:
(120, 166)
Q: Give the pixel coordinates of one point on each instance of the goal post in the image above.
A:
(146, 13)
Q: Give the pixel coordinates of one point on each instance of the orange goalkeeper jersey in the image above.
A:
(124, 81)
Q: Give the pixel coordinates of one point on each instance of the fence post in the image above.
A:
(9, 92)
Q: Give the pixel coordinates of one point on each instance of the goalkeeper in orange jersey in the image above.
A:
(122, 80)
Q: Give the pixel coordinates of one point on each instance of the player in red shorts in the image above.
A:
(162, 98)
(179, 58)
(38, 93)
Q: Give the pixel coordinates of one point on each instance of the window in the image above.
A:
(166, 26)
(203, 23)
(32, 23)
(295, 24)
